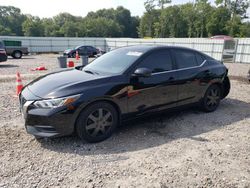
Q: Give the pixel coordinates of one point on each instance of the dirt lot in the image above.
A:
(182, 149)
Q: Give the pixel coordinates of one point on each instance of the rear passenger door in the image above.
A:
(188, 63)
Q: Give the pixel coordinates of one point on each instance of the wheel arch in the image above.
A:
(226, 86)
(13, 53)
(110, 101)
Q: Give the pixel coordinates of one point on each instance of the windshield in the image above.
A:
(114, 62)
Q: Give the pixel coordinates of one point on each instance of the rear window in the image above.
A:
(200, 59)
(185, 58)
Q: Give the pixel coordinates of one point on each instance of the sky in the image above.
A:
(50, 8)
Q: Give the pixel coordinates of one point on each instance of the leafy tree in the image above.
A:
(121, 16)
(217, 21)
(233, 26)
(50, 28)
(99, 27)
(33, 26)
(245, 30)
(148, 23)
(162, 3)
(171, 23)
(225, 3)
(11, 20)
(151, 4)
(190, 16)
(203, 9)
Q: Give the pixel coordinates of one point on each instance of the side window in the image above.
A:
(89, 48)
(200, 59)
(185, 58)
(157, 61)
(83, 50)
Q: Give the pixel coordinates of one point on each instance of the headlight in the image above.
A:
(55, 103)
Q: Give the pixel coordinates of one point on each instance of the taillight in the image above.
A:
(2, 52)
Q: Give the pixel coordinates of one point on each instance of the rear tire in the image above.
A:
(97, 122)
(17, 54)
(211, 99)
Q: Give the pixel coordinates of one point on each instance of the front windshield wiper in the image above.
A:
(88, 71)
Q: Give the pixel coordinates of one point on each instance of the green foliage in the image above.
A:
(198, 19)
(103, 23)
(148, 23)
(217, 21)
(245, 30)
(11, 21)
(33, 26)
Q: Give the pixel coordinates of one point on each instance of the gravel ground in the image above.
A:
(181, 149)
(27, 63)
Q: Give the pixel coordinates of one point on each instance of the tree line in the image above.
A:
(198, 19)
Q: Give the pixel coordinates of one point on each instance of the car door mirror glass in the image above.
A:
(142, 72)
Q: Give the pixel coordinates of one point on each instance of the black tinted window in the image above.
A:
(200, 58)
(158, 61)
(185, 58)
(90, 48)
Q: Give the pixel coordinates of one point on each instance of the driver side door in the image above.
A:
(157, 92)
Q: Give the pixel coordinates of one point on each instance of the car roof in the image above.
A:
(145, 48)
(148, 48)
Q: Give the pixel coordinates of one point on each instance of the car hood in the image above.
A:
(65, 83)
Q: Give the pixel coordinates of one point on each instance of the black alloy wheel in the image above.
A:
(212, 98)
(97, 122)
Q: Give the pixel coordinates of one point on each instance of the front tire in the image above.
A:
(211, 99)
(97, 122)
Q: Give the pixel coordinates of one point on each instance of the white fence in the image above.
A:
(243, 51)
(211, 47)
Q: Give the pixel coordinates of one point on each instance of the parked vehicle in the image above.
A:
(3, 55)
(15, 49)
(122, 84)
(83, 50)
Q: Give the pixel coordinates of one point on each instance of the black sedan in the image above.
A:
(83, 50)
(122, 84)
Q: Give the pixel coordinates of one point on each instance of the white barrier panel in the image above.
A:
(211, 47)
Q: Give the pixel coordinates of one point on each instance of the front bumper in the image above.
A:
(46, 122)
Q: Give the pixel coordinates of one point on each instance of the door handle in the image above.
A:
(207, 71)
(171, 78)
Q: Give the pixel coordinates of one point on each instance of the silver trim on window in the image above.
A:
(203, 63)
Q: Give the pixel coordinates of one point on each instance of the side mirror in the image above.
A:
(142, 72)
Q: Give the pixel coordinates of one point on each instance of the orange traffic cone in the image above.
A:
(19, 85)
(77, 56)
(71, 64)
